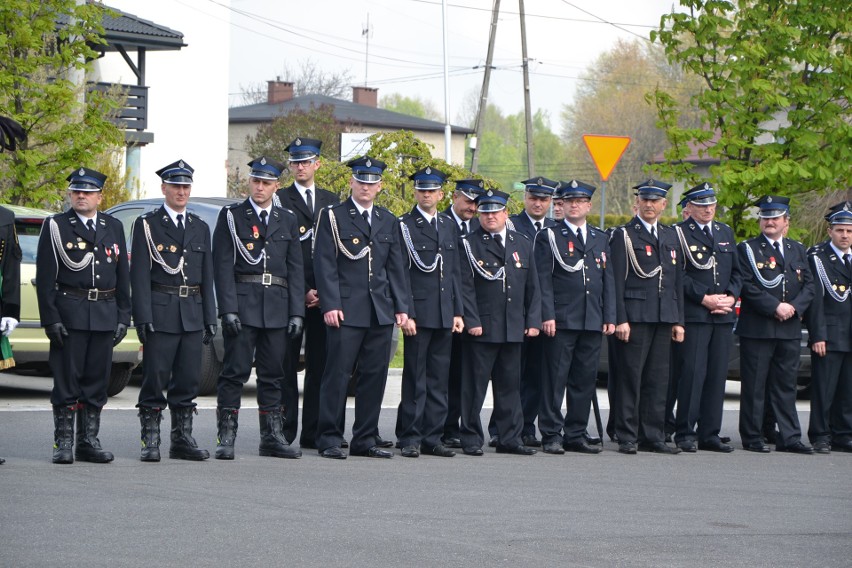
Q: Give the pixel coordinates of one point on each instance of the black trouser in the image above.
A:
(571, 366)
(611, 382)
(775, 361)
(314, 334)
(451, 425)
(266, 347)
(173, 363)
(532, 371)
(643, 380)
(81, 368)
(701, 371)
(423, 406)
(831, 397)
(500, 363)
(345, 345)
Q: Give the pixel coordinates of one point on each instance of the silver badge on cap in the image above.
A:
(263, 161)
(706, 186)
(481, 185)
(428, 171)
(298, 141)
(82, 171)
(369, 164)
(769, 199)
(490, 193)
(574, 184)
(540, 181)
(181, 164)
(846, 206)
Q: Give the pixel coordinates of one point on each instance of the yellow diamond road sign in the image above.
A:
(606, 151)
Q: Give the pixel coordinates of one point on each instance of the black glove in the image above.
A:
(209, 333)
(294, 326)
(143, 330)
(55, 332)
(231, 325)
(120, 332)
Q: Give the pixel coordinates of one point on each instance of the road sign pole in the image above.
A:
(603, 204)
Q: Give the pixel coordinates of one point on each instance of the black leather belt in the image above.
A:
(91, 294)
(182, 291)
(266, 279)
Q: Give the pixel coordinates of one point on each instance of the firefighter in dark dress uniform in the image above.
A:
(502, 306)
(363, 292)
(647, 267)
(174, 311)
(303, 198)
(829, 320)
(777, 290)
(83, 287)
(578, 308)
(10, 290)
(462, 212)
(261, 300)
(711, 285)
(430, 244)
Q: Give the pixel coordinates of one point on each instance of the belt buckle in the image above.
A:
(183, 291)
(266, 279)
(92, 295)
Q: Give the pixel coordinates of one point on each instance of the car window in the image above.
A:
(127, 215)
(28, 231)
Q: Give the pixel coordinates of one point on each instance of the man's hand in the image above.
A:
(531, 332)
(294, 326)
(142, 331)
(475, 331)
(718, 303)
(409, 328)
(549, 327)
(608, 328)
(784, 311)
(55, 333)
(401, 319)
(8, 325)
(818, 347)
(231, 325)
(678, 333)
(311, 299)
(458, 324)
(120, 333)
(209, 333)
(622, 332)
(333, 318)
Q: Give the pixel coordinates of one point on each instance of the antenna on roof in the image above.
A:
(366, 32)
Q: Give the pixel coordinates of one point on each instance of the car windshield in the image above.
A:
(28, 231)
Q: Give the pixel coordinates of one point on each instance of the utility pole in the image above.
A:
(448, 130)
(365, 32)
(527, 110)
(483, 96)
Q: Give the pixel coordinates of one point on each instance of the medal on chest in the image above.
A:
(648, 250)
(517, 259)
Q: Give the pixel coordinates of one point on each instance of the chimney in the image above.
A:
(365, 96)
(279, 92)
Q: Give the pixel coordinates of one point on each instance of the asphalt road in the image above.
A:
(700, 510)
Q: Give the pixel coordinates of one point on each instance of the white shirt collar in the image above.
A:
(173, 214)
(837, 251)
(257, 209)
(302, 189)
(426, 215)
(85, 220)
(362, 209)
(647, 225)
(574, 227)
(502, 235)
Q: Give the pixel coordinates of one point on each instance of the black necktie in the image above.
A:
(463, 228)
(366, 215)
(847, 260)
(654, 232)
(580, 236)
(91, 226)
(263, 216)
(180, 221)
(537, 226)
(707, 232)
(310, 201)
(434, 223)
(780, 260)
(498, 238)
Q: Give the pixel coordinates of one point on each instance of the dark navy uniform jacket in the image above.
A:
(828, 318)
(473, 223)
(436, 295)
(647, 300)
(757, 310)
(291, 199)
(503, 314)
(723, 278)
(108, 270)
(258, 305)
(353, 286)
(524, 225)
(171, 313)
(583, 300)
(10, 266)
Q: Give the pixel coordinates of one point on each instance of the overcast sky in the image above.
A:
(406, 44)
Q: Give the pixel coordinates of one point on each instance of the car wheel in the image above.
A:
(210, 370)
(119, 376)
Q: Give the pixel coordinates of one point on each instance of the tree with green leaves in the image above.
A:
(66, 126)
(412, 106)
(775, 103)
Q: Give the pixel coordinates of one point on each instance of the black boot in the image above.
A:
(226, 420)
(88, 446)
(150, 419)
(63, 434)
(272, 441)
(183, 445)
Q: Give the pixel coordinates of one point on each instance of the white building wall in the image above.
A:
(188, 92)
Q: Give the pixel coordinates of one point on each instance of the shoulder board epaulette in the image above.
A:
(147, 215)
(590, 227)
(816, 249)
(520, 234)
(191, 214)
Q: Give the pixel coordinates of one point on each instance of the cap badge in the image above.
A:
(263, 161)
(82, 171)
(369, 164)
(769, 199)
(846, 206)
(298, 142)
(540, 181)
(181, 164)
(481, 184)
(574, 184)
(428, 171)
(490, 193)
